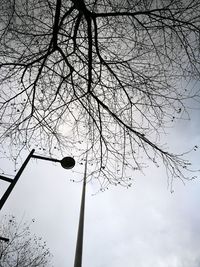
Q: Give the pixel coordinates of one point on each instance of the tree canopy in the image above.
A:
(22, 249)
(102, 77)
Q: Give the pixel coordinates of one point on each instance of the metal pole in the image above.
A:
(14, 181)
(79, 242)
(6, 179)
(45, 158)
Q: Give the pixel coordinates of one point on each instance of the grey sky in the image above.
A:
(89, 72)
(142, 226)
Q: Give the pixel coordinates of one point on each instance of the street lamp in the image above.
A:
(66, 163)
(79, 242)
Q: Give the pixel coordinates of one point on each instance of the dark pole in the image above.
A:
(45, 158)
(14, 181)
(6, 179)
(79, 242)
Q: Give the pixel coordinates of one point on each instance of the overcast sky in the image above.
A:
(144, 226)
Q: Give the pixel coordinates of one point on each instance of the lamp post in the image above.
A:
(66, 163)
(79, 242)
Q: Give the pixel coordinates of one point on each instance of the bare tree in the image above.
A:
(101, 76)
(22, 249)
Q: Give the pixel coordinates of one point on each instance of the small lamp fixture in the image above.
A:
(67, 163)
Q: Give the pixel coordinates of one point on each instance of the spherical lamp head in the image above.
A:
(67, 163)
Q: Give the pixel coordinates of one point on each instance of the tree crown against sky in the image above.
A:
(22, 249)
(102, 77)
